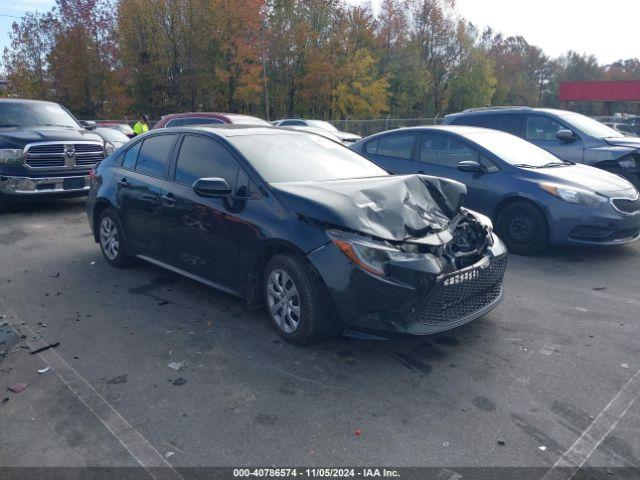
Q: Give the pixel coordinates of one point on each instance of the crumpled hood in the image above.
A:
(395, 208)
(631, 142)
(18, 137)
(583, 176)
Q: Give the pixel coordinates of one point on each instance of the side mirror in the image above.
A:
(88, 124)
(565, 135)
(212, 187)
(471, 166)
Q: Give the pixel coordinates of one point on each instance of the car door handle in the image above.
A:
(123, 182)
(169, 198)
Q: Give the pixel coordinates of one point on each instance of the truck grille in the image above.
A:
(624, 205)
(63, 154)
(462, 294)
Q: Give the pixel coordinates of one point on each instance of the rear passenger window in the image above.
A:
(542, 128)
(129, 160)
(153, 158)
(397, 146)
(201, 157)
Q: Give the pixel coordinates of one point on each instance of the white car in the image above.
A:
(345, 137)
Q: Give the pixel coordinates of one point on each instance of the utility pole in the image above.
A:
(264, 73)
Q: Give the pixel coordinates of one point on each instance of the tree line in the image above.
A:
(278, 58)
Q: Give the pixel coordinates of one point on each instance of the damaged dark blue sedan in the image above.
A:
(323, 238)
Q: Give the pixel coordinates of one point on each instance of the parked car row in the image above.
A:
(394, 234)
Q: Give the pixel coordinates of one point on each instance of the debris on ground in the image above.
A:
(599, 288)
(169, 454)
(357, 432)
(501, 442)
(624, 365)
(46, 347)
(177, 366)
(179, 381)
(18, 387)
(162, 303)
(92, 263)
(44, 370)
(542, 447)
(5, 400)
(55, 275)
(43, 325)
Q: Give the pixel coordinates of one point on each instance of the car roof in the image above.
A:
(508, 109)
(459, 129)
(25, 100)
(231, 130)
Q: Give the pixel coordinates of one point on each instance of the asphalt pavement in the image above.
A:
(549, 378)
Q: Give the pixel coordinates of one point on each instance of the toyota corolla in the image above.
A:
(326, 240)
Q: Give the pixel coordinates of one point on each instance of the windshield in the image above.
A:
(34, 114)
(302, 157)
(591, 127)
(322, 124)
(513, 149)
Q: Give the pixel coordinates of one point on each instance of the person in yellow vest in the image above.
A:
(141, 125)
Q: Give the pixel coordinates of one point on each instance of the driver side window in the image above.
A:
(201, 157)
(542, 128)
(438, 149)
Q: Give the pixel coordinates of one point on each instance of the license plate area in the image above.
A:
(73, 183)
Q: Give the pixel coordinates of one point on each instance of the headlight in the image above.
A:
(574, 195)
(10, 156)
(368, 254)
(109, 148)
(483, 219)
(628, 163)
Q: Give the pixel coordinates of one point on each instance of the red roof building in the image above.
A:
(607, 92)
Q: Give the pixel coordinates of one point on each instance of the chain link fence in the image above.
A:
(369, 127)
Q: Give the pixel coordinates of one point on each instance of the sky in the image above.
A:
(606, 28)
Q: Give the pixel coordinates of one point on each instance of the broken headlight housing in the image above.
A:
(628, 163)
(370, 255)
(574, 195)
(10, 156)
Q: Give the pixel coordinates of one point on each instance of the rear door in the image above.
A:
(199, 231)
(394, 152)
(138, 189)
(541, 130)
(439, 155)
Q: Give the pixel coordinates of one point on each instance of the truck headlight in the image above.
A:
(574, 195)
(628, 163)
(11, 156)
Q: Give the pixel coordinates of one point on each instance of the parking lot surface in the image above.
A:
(550, 376)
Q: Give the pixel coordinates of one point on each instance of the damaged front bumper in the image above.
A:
(420, 296)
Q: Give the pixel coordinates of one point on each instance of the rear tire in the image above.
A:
(523, 228)
(112, 239)
(292, 299)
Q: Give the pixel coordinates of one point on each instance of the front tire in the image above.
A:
(523, 228)
(112, 239)
(292, 299)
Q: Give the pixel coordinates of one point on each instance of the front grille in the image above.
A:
(63, 154)
(461, 294)
(627, 206)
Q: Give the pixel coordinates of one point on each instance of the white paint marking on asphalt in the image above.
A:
(131, 439)
(575, 457)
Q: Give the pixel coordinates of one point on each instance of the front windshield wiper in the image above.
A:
(546, 165)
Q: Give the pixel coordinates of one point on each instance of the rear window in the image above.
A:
(181, 122)
(153, 158)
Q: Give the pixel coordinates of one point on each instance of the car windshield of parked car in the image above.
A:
(111, 135)
(589, 126)
(302, 157)
(34, 114)
(514, 150)
(322, 124)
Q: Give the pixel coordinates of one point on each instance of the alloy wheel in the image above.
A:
(283, 300)
(109, 238)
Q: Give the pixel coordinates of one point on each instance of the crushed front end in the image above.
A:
(420, 285)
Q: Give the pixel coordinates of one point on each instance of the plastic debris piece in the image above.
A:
(501, 442)
(445, 444)
(44, 370)
(179, 381)
(46, 347)
(55, 275)
(624, 365)
(92, 263)
(18, 387)
(169, 454)
(542, 447)
(177, 366)
(357, 432)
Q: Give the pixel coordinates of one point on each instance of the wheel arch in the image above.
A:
(100, 206)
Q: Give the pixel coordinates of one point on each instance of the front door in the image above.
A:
(200, 232)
